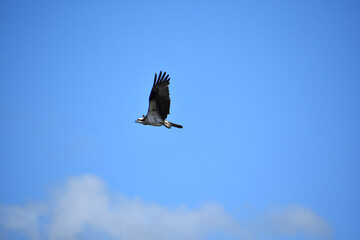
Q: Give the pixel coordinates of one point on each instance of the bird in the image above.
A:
(159, 104)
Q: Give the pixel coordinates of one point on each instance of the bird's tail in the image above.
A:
(170, 124)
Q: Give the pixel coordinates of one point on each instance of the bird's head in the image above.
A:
(140, 120)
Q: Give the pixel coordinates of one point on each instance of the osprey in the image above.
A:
(159, 103)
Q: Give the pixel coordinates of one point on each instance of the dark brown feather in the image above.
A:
(160, 94)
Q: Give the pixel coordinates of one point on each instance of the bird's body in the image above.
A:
(159, 103)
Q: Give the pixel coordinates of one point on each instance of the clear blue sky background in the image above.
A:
(268, 93)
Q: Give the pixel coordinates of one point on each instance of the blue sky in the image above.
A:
(267, 92)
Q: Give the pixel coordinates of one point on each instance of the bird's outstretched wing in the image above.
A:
(159, 101)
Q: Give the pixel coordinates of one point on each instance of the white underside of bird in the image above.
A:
(154, 119)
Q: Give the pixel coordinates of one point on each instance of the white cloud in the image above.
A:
(291, 220)
(24, 219)
(294, 219)
(84, 204)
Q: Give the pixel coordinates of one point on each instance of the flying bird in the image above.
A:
(159, 104)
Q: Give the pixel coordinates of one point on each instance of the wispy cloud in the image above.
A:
(22, 218)
(295, 219)
(84, 204)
